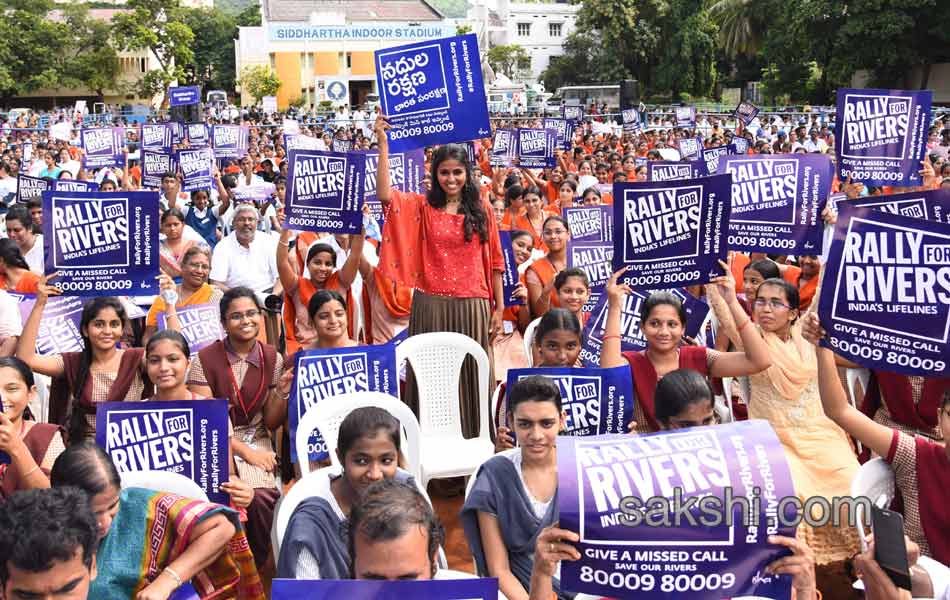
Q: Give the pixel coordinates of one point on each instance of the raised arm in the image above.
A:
(610, 355)
(224, 199)
(875, 436)
(754, 355)
(285, 267)
(26, 349)
(383, 187)
(351, 267)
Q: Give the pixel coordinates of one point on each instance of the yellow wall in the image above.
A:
(361, 63)
(287, 65)
(326, 63)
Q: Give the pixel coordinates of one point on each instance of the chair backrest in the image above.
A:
(327, 415)
(316, 483)
(529, 340)
(874, 480)
(436, 360)
(163, 481)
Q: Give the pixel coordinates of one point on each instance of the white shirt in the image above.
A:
(8, 185)
(11, 323)
(255, 267)
(34, 257)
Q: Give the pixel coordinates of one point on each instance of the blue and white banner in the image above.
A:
(188, 437)
(739, 145)
(685, 116)
(590, 223)
(504, 148)
(74, 185)
(229, 141)
(930, 205)
(323, 374)
(671, 234)
(690, 148)
(198, 134)
(299, 141)
(573, 113)
(325, 191)
(746, 112)
(432, 92)
(881, 135)
(885, 299)
(330, 589)
(183, 96)
(102, 243)
(406, 174)
(256, 193)
(594, 258)
(341, 145)
(59, 328)
(777, 201)
(197, 167)
(156, 165)
(103, 147)
(155, 137)
(510, 277)
(712, 156)
(536, 148)
(564, 129)
(597, 401)
(679, 514)
(200, 324)
(28, 188)
(668, 170)
(631, 120)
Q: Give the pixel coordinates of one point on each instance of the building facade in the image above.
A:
(322, 51)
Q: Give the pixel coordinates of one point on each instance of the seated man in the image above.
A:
(47, 546)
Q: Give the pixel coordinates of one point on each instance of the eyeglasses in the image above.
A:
(775, 304)
(238, 317)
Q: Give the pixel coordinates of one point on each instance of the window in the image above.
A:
(524, 29)
(554, 29)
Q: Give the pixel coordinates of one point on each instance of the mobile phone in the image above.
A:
(890, 550)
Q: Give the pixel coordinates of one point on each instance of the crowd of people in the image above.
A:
(435, 264)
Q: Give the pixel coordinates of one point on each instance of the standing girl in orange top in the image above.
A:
(514, 207)
(321, 262)
(444, 245)
(540, 275)
(15, 275)
(532, 220)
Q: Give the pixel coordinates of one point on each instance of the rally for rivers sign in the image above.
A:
(619, 492)
(325, 191)
(885, 299)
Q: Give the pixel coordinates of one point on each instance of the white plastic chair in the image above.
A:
(436, 360)
(496, 399)
(874, 480)
(163, 481)
(327, 415)
(528, 339)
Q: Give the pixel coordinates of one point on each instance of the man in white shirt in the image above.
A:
(20, 231)
(815, 143)
(245, 257)
(247, 178)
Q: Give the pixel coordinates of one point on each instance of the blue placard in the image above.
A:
(188, 437)
(690, 148)
(685, 116)
(364, 589)
(536, 148)
(200, 324)
(657, 517)
(881, 135)
(746, 112)
(198, 135)
(59, 328)
(739, 145)
(671, 234)
(590, 223)
(510, 277)
(183, 96)
(229, 141)
(322, 374)
(325, 191)
(102, 243)
(712, 156)
(103, 147)
(631, 120)
(777, 201)
(564, 129)
(668, 170)
(156, 165)
(504, 148)
(28, 188)
(156, 137)
(931, 205)
(74, 185)
(432, 92)
(299, 141)
(341, 145)
(594, 258)
(597, 401)
(573, 113)
(885, 299)
(406, 174)
(197, 166)
(185, 592)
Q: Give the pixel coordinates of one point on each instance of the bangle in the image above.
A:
(741, 327)
(31, 471)
(285, 244)
(610, 337)
(173, 575)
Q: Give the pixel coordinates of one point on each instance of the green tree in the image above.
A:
(463, 29)
(583, 62)
(259, 81)
(159, 26)
(505, 59)
(742, 25)
(30, 47)
(214, 32)
(688, 55)
(250, 16)
(89, 58)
